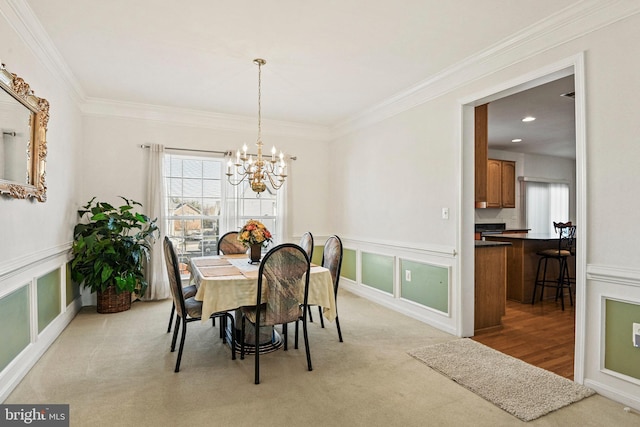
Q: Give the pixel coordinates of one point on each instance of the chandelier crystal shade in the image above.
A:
(261, 169)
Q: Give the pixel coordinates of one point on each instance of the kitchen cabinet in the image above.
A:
(501, 183)
(495, 180)
(481, 153)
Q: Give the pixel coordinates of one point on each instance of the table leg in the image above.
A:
(269, 339)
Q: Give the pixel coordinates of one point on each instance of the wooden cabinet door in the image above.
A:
(481, 150)
(508, 184)
(494, 183)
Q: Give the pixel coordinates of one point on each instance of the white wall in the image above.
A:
(30, 227)
(35, 237)
(114, 164)
(393, 176)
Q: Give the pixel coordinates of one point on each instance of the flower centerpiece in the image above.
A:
(254, 235)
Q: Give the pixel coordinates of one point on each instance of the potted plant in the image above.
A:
(110, 248)
(254, 235)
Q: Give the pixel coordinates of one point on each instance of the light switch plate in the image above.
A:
(636, 334)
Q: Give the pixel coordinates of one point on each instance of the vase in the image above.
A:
(255, 253)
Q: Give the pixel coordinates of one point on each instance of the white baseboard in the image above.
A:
(411, 310)
(630, 400)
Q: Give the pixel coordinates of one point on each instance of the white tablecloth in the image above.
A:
(230, 292)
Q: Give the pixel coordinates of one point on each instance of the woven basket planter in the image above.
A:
(109, 301)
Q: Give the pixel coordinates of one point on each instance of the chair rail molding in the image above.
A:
(615, 275)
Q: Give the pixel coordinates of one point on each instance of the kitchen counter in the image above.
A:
(516, 230)
(522, 262)
(489, 244)
(526, 236)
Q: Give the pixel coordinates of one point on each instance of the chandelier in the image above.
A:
(261, 169)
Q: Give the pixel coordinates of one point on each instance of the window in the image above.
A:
(202, 205)
(546, 203)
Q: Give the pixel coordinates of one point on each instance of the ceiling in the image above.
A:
(327, 62)
(552, 133)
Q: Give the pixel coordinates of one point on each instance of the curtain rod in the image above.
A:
(193, 150)
(190, 149)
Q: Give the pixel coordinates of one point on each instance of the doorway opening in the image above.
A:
(541, 333)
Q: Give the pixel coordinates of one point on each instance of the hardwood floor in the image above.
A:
(540, 334)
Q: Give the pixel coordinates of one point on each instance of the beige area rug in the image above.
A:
(523, 390)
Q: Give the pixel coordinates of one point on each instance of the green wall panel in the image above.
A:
(620, 354)
(316, 258)
(14, 325)
(49, 296)
(429, 285)
(73, 289)
(377, 271)
(348, 269)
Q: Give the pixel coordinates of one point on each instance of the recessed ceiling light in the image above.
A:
(516, 140)
(528, 119)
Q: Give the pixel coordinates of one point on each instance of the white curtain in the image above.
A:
(546, 203)
(2, 160)
(282, 235)
(156, 272)
(229, 209)
(558, 203)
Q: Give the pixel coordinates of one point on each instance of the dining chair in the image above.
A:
(284, 275)
(306, 243)
(566, 234)
(187, 292)
(187, 310)
(331, 260)
(229, 244)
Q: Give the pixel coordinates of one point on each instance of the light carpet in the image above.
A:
(523, 390)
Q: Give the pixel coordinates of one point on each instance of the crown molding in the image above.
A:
(21, 18)
(570, 23)
(202, 119)
(578, 20)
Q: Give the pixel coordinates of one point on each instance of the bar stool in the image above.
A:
(566, 233)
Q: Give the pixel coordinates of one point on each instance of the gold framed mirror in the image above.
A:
(23, 142)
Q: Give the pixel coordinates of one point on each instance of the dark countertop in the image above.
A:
(488, 244)
(525, 236)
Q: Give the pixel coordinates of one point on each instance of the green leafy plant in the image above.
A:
(111, 246)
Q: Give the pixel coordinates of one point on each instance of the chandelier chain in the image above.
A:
(262, 170)
(260, 101)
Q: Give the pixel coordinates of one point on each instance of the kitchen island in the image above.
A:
(490, 284)
(522, 262)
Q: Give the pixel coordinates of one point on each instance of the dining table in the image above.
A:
(229, 282)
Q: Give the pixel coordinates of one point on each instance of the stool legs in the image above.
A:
(560, 283)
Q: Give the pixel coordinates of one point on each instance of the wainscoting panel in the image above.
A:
(49, 298)
(377, 271)
(620, 355)
(317, 255)
(429, 284)
(37, 301)
(72, 289)
(15, 328)
(348, 269)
